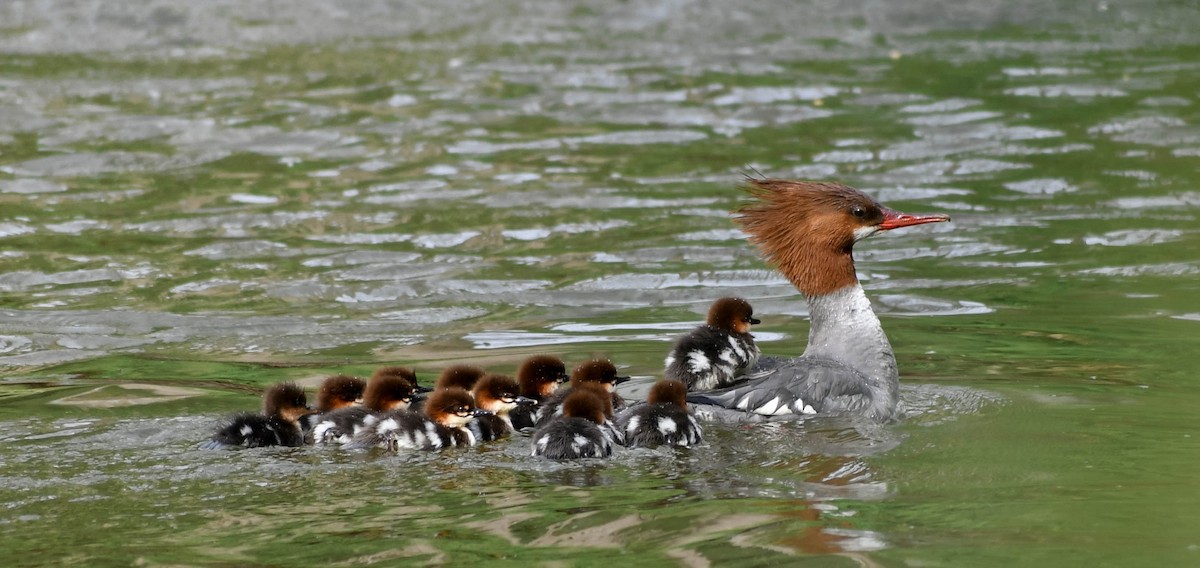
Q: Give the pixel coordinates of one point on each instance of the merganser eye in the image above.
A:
(859, 212)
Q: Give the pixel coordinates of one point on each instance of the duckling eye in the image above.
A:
(859, 212)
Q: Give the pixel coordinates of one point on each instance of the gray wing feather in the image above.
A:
(797, 386)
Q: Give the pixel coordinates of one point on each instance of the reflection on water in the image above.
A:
(197, 199)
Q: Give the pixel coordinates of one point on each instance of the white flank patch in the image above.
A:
(773, 407)
(247, 430)
(388, 425)
(419, 440)
(667, 426)
(698, 361)
(727, 356)
(670, 360)
(737, 347)
(470, 437)
(632, 426)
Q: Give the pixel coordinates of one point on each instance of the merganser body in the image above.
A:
(577, 432)
(714, 354)
(284, 406)
(539, 376)
(663, 420)
(808, 230)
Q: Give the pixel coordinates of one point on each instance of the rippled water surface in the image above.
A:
(200, 199)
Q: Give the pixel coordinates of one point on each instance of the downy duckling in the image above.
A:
(390, 388)
(284, 405)
(663, 420)
(500, 395)
(339, 391)
(443, 424)
(577, 432)
(715, 354)
(596, 371)
(539, 376)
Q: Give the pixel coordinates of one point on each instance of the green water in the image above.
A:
(197, 201)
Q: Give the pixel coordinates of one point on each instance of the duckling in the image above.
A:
(663, 420)
(461, 376)
(539, 376)
(577, 432)
(403, 372)
(284, 405)
(715, 354)
(443, 424)
(500, 395)
(339, 391)
(596, 371)
(390, 388)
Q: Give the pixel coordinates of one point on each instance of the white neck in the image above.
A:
(844, 328)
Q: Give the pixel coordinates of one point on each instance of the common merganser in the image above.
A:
(539, 376)
(714, 354)
(500, 395)
(443, 424)
(578, 432)
(339, 391)
(663, 420)
(390, 388)
(808, 230)
(596, 372)
(284, 405)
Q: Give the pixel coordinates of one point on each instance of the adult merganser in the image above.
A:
(596, 372)
(578, 431)
(714, 354)
(663, 420)
(539, 376)
(390, 388)
(443, 424)
(339, 391)
(500, 395)
(808, 229)
(284, 405)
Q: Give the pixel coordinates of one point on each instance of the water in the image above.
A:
(200, 200)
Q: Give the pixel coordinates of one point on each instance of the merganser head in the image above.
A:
(808, 228)
(668, 390)
(541, 375)
(731, 314)
(461, 376)
(498, 394)
(599, 371)
(452, 407)
(390, 388)
(586, 403)
(606, 401)
(404, 372)
(286, 401)
(339, 391)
